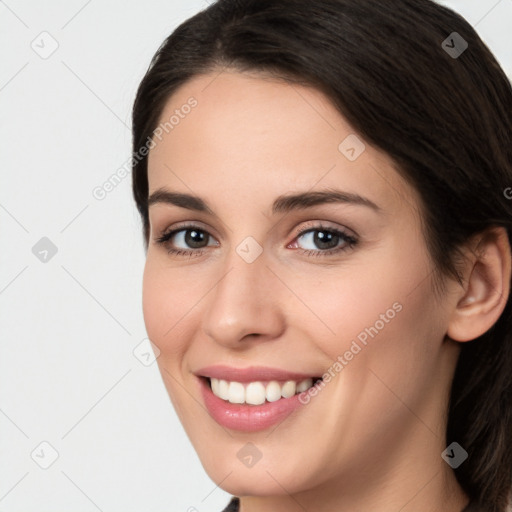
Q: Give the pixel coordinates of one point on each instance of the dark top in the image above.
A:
(234, 506)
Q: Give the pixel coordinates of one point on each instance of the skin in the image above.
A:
(372, 438)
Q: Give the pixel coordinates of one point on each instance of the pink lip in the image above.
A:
(249, 418)
(251, 374)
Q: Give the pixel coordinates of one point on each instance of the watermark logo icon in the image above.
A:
(45, 45)
(44, 250)
(249, 249)
(146, 352)
(454, 45)
(454, 455)
(249, 455)
(351, 147)
(44, 455)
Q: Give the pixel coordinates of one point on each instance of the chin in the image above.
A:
(270, 475)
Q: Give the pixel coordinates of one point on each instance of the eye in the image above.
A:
(189, 236)
(191, 240)
(324, 241)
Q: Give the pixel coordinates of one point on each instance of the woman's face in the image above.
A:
(269, 292)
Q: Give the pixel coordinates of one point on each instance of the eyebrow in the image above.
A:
(282, 204)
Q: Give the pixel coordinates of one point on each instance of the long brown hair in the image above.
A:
(444, 118)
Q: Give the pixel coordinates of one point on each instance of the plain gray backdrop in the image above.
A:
(85, 421)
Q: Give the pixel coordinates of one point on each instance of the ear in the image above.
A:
(483, 299)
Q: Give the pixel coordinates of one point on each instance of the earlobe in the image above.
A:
(487, 289)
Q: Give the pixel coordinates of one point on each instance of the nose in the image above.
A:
(244, 304)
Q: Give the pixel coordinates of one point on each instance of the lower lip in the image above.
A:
(249, 418)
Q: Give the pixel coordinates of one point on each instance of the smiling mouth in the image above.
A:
(258, 392)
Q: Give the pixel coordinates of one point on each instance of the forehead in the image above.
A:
(249, 134)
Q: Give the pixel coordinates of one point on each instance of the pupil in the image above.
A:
(194, 238)
(324, 237)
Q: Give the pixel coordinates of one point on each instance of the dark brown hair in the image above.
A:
(444, 119)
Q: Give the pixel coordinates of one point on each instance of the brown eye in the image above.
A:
(185, 240)
(324, 241)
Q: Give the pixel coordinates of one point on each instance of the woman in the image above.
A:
(323, 192)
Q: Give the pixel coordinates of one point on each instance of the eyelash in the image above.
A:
(349, 240)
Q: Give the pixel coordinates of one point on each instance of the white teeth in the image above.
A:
(223, 389)
(304, 385)
(288, 389)
(273, 391)
(215, 386)
(236, 393)
(255, 393)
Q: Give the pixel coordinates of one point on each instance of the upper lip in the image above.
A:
(251, 373)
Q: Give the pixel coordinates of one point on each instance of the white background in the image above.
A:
(68, 375)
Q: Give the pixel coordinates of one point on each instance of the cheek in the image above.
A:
(353, 306)
(381, 311)
(168, 316)
(167, 306)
